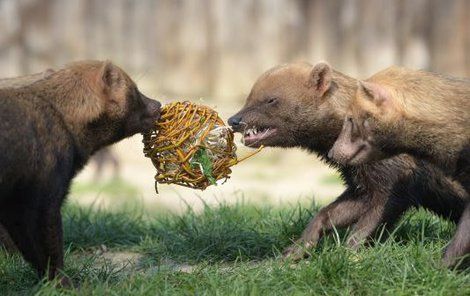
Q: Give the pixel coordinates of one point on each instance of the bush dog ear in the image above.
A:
(110, 75)
(320, 78)
(374, 92)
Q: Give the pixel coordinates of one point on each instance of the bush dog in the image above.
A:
(48, 131)
(424, 114)
(297, 105)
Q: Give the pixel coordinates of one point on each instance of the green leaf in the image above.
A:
(202, 160)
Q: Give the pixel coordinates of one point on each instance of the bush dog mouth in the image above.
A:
(254, 137)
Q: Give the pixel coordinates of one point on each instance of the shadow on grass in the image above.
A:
(422, 227)
(222, 233)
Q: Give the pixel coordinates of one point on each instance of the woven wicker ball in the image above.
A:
(190, 146)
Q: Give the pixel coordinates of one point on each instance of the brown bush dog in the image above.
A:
(48, 131)
(14, 82)
(423, 114)
(297, 105)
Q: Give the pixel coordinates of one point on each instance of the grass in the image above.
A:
(234, 250)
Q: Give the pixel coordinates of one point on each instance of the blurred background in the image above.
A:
(212, 51)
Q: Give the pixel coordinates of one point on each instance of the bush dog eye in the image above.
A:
(271, 101)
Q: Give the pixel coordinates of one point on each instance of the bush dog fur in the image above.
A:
(297, 105)
(424, 114)
(48, 131)
(21, 81)
(14, 82)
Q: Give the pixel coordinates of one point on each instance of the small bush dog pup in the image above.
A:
(423, 114)
(48, 131)
(297, 105)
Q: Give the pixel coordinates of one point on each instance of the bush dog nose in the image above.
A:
(234, 121)
(153, 106)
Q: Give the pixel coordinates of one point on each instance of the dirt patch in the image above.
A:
(135, 262)
(123, 259)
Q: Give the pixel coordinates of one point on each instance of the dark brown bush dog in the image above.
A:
(48, 131)
(297, 105)
(15, 82)
(424, 114)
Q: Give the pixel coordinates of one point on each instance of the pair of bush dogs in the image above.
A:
(400, 139)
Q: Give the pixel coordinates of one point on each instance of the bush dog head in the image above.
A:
(289, 105)
(99, 103)
(359, 141)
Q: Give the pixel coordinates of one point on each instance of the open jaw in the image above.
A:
(256, 136)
